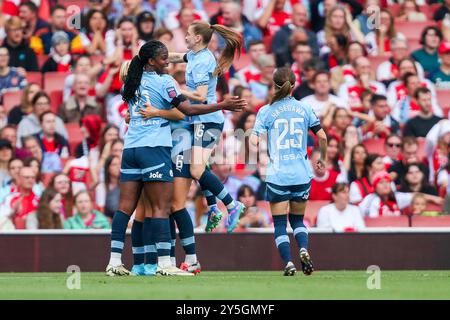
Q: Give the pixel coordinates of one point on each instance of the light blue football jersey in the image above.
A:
(287, 123)
(159, 90)
(199, 72)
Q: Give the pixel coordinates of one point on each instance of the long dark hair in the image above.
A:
(108, 163)
(352, 174)
(284, 81)
(149, 50)
(370, 159)
(68, 198)
(46, 217)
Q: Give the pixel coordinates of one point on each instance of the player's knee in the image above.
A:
(196, 171)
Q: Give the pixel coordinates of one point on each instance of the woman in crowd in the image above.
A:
(92, 40)
(107, 193)
(49, 212)
(253, 217)
(61, 183)
(16, 114)
(360, 188)
(357, 158)
(416, 181)
(86, 217)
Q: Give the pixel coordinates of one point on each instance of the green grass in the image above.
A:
(230, 285)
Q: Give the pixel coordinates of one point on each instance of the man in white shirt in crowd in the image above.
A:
(340, 215)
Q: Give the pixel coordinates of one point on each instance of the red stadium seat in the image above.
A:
(412, 30)
(312, 209)
(423, 221)
(46, 178)
(56, 99)
(54, 81)
(241, 62)
(400, 221)
(42, 58)
(34, 77)
(80, 3)
(75, 136)
(413, 45)
(394, 9)
(11, 99)
(211, 8)
(375, 146)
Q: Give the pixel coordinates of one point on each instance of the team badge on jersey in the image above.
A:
(171, 92)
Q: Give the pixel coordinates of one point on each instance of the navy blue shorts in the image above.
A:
(146, 164)
(297, 193)
(207, 135)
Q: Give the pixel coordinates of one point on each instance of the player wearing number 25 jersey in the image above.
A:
(287, 122)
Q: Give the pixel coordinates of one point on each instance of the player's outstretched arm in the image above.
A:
(152, 112)
(176, 57)
(233, 103)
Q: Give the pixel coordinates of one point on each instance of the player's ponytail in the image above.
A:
(284, 82)
(232, 39)
(136, 68)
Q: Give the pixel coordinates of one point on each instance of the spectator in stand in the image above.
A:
(382, 124)
(441, 76)
(145, 23)
(410, 147)
(388, 71)
(107, 193)
(427, 56)
(108, 136)
(174, 18)
(165, 36)
(392, 148)
(347, 73)
(356, 162)
(351, 92)
(123, 43)
(385, 202)
(30, 124)
(11, 78)
(3, 116)
(49, 212)
(301, 52)
(437, 153)
(21, 55)
(9, 132)
(86, 217)
(92, 40)
(280, 42)
(60, 59)
(337, 55)
(61, 183)
(260, 88)
(440, 13)
(324, 180)
(252, 72)
(10, 186)
(17, 113)
(397, 90)
(271, 16)
(252, 217)
(360, 188)
(322, 98)
(58, 20)
(321, 8)
(32, 145)
(231, 17)
(6, 154)
(223, 171)
(340, 215)
(336, 121)
(21, 203)
(54, 146)
(33, 25)
(378, 42)
(362, 20)
(410, 11)
(339, 21)
(418, 205)
(35, 164)
(409, 107)
(310, 67)
(420, 125)
(80, 103)
(82, 65)
(416, 181)
(187, 17)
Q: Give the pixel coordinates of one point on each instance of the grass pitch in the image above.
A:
(230, 285)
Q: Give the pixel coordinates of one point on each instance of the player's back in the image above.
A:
(287, 123)
(158, 90)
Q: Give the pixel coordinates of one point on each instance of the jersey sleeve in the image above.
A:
(260, 126)
(169, 89)
(312, 117)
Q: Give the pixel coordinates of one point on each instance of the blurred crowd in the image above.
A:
(377, 73)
